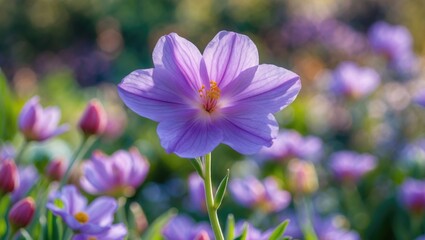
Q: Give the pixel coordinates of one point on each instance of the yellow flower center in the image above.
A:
(81, 217)
(210, 96)
(92, 238)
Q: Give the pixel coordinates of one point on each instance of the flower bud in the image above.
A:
(22, 213)
(9, 180)
(38, 124)
(56, 169)
(203, 235)
(302, 177)
(94, 119)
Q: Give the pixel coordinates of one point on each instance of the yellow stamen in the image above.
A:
(92, 238)
(210, 96)
(81, 217)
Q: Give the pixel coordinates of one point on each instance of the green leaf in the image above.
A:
(230, 227)
(279, 231)
(244, 233)
(197, 164)
(154, 231)
(53, 226)
(221, 190)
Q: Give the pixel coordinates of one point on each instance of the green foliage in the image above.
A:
(154, 231)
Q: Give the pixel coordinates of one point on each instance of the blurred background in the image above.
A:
(70, 51)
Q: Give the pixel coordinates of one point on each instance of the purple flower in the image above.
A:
(389, 40)
(266, 195)
(116, 232)
(197, 192)
(336, 35)
(115, 175)
(39, 124)
(353, 81)
(7, 151)
(422, 237)
(351, 166)
(420, 98)
(290, 144)
(202, 100)
(182, 227)
(252, 232)
(412, 195)
(328, 229)
(72, 207)
(28, 176)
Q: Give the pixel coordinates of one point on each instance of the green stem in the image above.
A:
(21, 151)
(212, 210)
(79, 153)
(302, 205)
(122, 216)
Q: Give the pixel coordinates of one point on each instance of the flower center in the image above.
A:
(81, 217)
(210, 96)
(92, 238)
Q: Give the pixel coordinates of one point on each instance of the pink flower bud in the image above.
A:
(21, 213)
(9, 180)
(94, 119)
(56, 169)
(203, 235)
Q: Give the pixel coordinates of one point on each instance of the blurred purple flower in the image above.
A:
(72, 207)
(39, 124)
(420, 98)
(354, 81)
(351, 166)
(197, 192)
(252, 232)
(28, 177)
(7, 151)
(412, 156)
(116, 175)
(300, 31)
(390, 40)
(422, 237)
(328, 229)
(412, 195)
(182, 227)
(336, 35)
(116, 232)
(290, 144)
(266, 195)
(200, 101)
(394, 42)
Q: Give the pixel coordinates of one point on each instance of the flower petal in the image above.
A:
(227, 55)
(248, 133)
(181, 58)
(29, 114)
(101, 211)
(268, 90)
(189, 139)
(157, 98)
(73, 200)
(117, 231)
